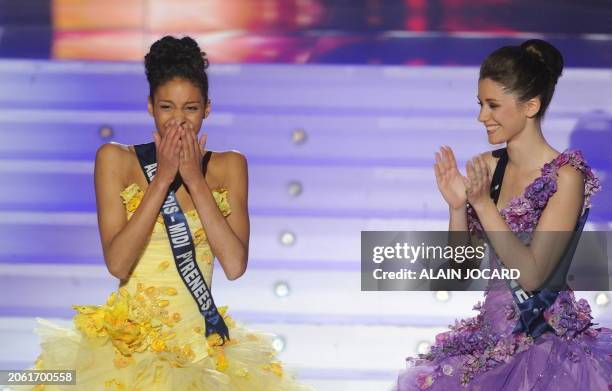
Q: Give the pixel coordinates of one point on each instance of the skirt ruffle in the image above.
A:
(551, 363)
(245, 363)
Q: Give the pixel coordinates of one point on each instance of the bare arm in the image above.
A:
(123, 241)
(228, 237)
(457, 219)
(552, 234)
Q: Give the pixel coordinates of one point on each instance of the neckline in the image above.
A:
(190, 212)
(513, 199)
(151, 145)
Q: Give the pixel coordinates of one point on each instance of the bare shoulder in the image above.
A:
(112, 152)
(113, 159)
(227, 165)
(235, 160)
(570, 178)
(229, 157)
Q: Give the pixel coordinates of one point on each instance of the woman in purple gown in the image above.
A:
(547, 342)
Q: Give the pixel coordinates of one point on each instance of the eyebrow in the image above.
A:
(488, 100)
(186, 103)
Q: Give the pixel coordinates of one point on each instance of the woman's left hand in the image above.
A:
(479, 182)
(192, 151)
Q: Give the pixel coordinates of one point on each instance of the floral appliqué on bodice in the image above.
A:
(139, 321)
(471, 339)
(132, 196)
(523, 212)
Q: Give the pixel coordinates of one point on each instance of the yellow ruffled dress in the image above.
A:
(150, 336)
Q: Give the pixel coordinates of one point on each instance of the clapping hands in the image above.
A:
(457, 189)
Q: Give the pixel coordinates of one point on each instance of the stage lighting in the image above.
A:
(423, 347)
(299, 136)
(281, 289)
(106, 132)
(442, 296)
(602, 299)
(294, 188)
(287, 238)
(278, 343)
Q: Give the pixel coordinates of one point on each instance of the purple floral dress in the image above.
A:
(482, 353)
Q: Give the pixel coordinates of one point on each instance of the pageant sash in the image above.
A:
(182, 246)
(530, 305)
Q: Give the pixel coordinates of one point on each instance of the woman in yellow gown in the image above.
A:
(151, 334)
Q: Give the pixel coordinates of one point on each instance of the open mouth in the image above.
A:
(492, 129)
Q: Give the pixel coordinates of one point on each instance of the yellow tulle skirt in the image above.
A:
(132, 344)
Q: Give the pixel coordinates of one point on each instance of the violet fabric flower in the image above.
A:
(424, 380)
(510, 311)
(567, 316)
(472, 345)
(474, 225)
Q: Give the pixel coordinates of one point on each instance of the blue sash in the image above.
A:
(531, 305)
(182, 246)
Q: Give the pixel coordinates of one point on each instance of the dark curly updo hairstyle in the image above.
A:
(528, 70)
(172, 57)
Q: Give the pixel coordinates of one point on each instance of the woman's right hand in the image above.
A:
(450, 182)
(167, 149)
